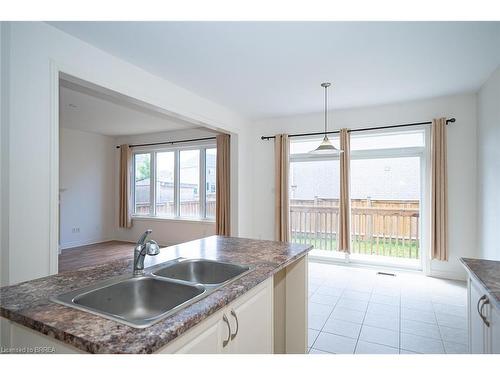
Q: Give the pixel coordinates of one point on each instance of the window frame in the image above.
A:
(153, 151)
(367, 153)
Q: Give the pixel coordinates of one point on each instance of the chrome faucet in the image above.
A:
(143, 248)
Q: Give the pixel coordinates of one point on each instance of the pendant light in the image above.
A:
(326, 146)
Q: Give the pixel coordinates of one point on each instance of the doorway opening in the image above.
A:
(172, 175)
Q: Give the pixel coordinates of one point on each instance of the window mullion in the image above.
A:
(132, 183)
(203, 206)
(152, 184)
(177, 183)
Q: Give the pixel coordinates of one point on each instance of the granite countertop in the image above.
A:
(28, 303)
(487, 273)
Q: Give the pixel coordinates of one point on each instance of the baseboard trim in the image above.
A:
(440, 274)
(360, 264)
(161, 244)
(449, 275)
(71, 245)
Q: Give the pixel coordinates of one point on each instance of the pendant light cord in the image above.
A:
(326, 85)
(326, 112)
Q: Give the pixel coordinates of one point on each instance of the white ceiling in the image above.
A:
(269, 69)
(84, 109)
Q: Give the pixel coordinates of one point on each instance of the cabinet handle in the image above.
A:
(485, 302)
(226, 341)
(478, 303)
(237, 325)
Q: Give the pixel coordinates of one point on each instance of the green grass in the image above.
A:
(391, 248)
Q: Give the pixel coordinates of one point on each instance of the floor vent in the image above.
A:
(386, 274)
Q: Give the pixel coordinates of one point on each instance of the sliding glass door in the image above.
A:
(385, 209)
(385, 190)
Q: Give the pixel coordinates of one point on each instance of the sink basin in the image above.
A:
(207, 272)
(166, 288)
(136, 301)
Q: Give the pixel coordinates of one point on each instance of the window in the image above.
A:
(385, 195)
(314, 194)
(184, 182)
(165, 189)
(142, 188)
(314, 202)
(393, 140)
(190, 183)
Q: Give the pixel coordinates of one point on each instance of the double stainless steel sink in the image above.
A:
(141, 301)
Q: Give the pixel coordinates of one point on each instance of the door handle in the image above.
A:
(237, 324)
(485, 301)
(226, 341)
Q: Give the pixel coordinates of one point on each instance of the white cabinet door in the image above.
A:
(251, 319)
(207, 342)
(204, 338)
(495, 330)
(477, 328)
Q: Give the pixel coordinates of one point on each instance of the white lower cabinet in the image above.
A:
(205, 342)
(483, 320)
(252, 324)
(245, 326)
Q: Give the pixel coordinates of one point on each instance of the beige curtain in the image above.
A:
(222, 218)
(345, 200)
(282, 205)
(439, 191)
(125, 217)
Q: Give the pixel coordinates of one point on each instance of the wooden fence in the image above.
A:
(378, 227)
(188, 209)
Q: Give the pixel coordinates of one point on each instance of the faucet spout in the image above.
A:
(142, 249)
(144, 236)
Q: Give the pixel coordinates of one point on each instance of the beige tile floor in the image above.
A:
(355, 311)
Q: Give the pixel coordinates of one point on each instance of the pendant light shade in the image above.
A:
(326, 147)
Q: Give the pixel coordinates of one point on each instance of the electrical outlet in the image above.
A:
(75, 230)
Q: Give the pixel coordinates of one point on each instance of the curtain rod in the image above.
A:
(171, 142)
(265, 138)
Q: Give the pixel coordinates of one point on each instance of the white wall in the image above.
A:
(35, 50)
(173, 135)
(4, 152)
(461, 157)
(245, 183)
(165, 231)
(87, 179)
(488, 176)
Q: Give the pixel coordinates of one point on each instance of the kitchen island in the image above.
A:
(263, 311)
(483, 305)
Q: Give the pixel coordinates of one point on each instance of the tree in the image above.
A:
(143, 170)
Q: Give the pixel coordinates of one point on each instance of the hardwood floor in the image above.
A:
(93, 255)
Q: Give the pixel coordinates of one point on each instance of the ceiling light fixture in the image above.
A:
(326, 147)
